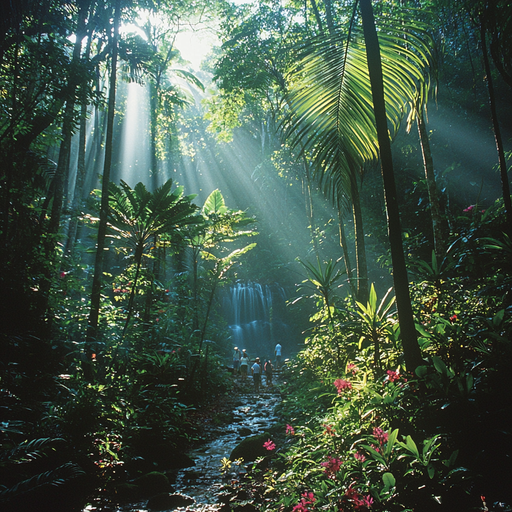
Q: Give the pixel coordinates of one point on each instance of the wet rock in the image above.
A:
(152, 483)
(191, 475)
(165, 501)
(138, 466)
(127, 492)
(244, 431)
(162, 454)
(250, 448)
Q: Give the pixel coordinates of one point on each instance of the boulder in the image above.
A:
(250, 448)
(152, 483)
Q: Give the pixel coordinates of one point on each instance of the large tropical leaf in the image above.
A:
(331, 99)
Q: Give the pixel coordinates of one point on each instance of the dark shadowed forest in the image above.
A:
(181, 179)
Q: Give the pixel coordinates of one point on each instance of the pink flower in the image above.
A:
(62, 274)
(290, 430)
(269, 445)
(332, 466)
(308, 498)
(360, 502)
(393, 376)
(341, 385)
(380, 435)
(363, 502)
(359, 457)
(469, 209)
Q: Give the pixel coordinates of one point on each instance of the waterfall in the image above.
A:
(256, 315)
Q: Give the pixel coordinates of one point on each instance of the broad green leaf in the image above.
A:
(389, 480)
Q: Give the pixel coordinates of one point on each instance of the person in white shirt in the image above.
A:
(277, 352)
(244, 366)
(256, 374)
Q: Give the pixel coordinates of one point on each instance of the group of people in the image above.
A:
(241, 362)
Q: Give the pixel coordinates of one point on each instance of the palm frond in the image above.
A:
(331, 105)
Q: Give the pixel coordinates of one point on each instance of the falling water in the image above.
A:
(256, 316)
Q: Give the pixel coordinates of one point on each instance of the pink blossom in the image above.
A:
(308, 498)
(393, 376)
(469, 209)
(360, 502)
(341, 384)
(332, 466)
(269, 445)
(290, 430)
(359, 457)
(380, 435)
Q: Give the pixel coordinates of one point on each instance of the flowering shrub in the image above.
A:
(308, 498)
(342, 385)
(332, 466)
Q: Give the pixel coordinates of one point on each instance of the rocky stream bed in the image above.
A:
(243, 423)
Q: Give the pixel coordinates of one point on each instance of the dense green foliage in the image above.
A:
(111, 337)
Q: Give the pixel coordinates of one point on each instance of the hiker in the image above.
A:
(236, 360)
(268, 369)
(244, 366)
(277, 352)
(256, 374)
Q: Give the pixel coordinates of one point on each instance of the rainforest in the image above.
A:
(255, 255)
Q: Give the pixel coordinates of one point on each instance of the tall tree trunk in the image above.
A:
(317, 16)
(346, 257)
(412, 352)
(439, 222)
(497, 135)
(67, 128)
(153, 101)
(60, 178)
(92, 331)
(309, 206)
(80, 171)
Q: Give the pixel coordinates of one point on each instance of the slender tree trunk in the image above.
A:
(92, 331)
(153, 100)
(412, 352)
(346, 257)
(317, 16)
(309, 206)
(67, 129)
(497, 135)
(439, 223)
(328, 16)
(80, 171)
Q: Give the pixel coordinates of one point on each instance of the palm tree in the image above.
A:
(412, 352)
(335, 116)
(137, 217)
